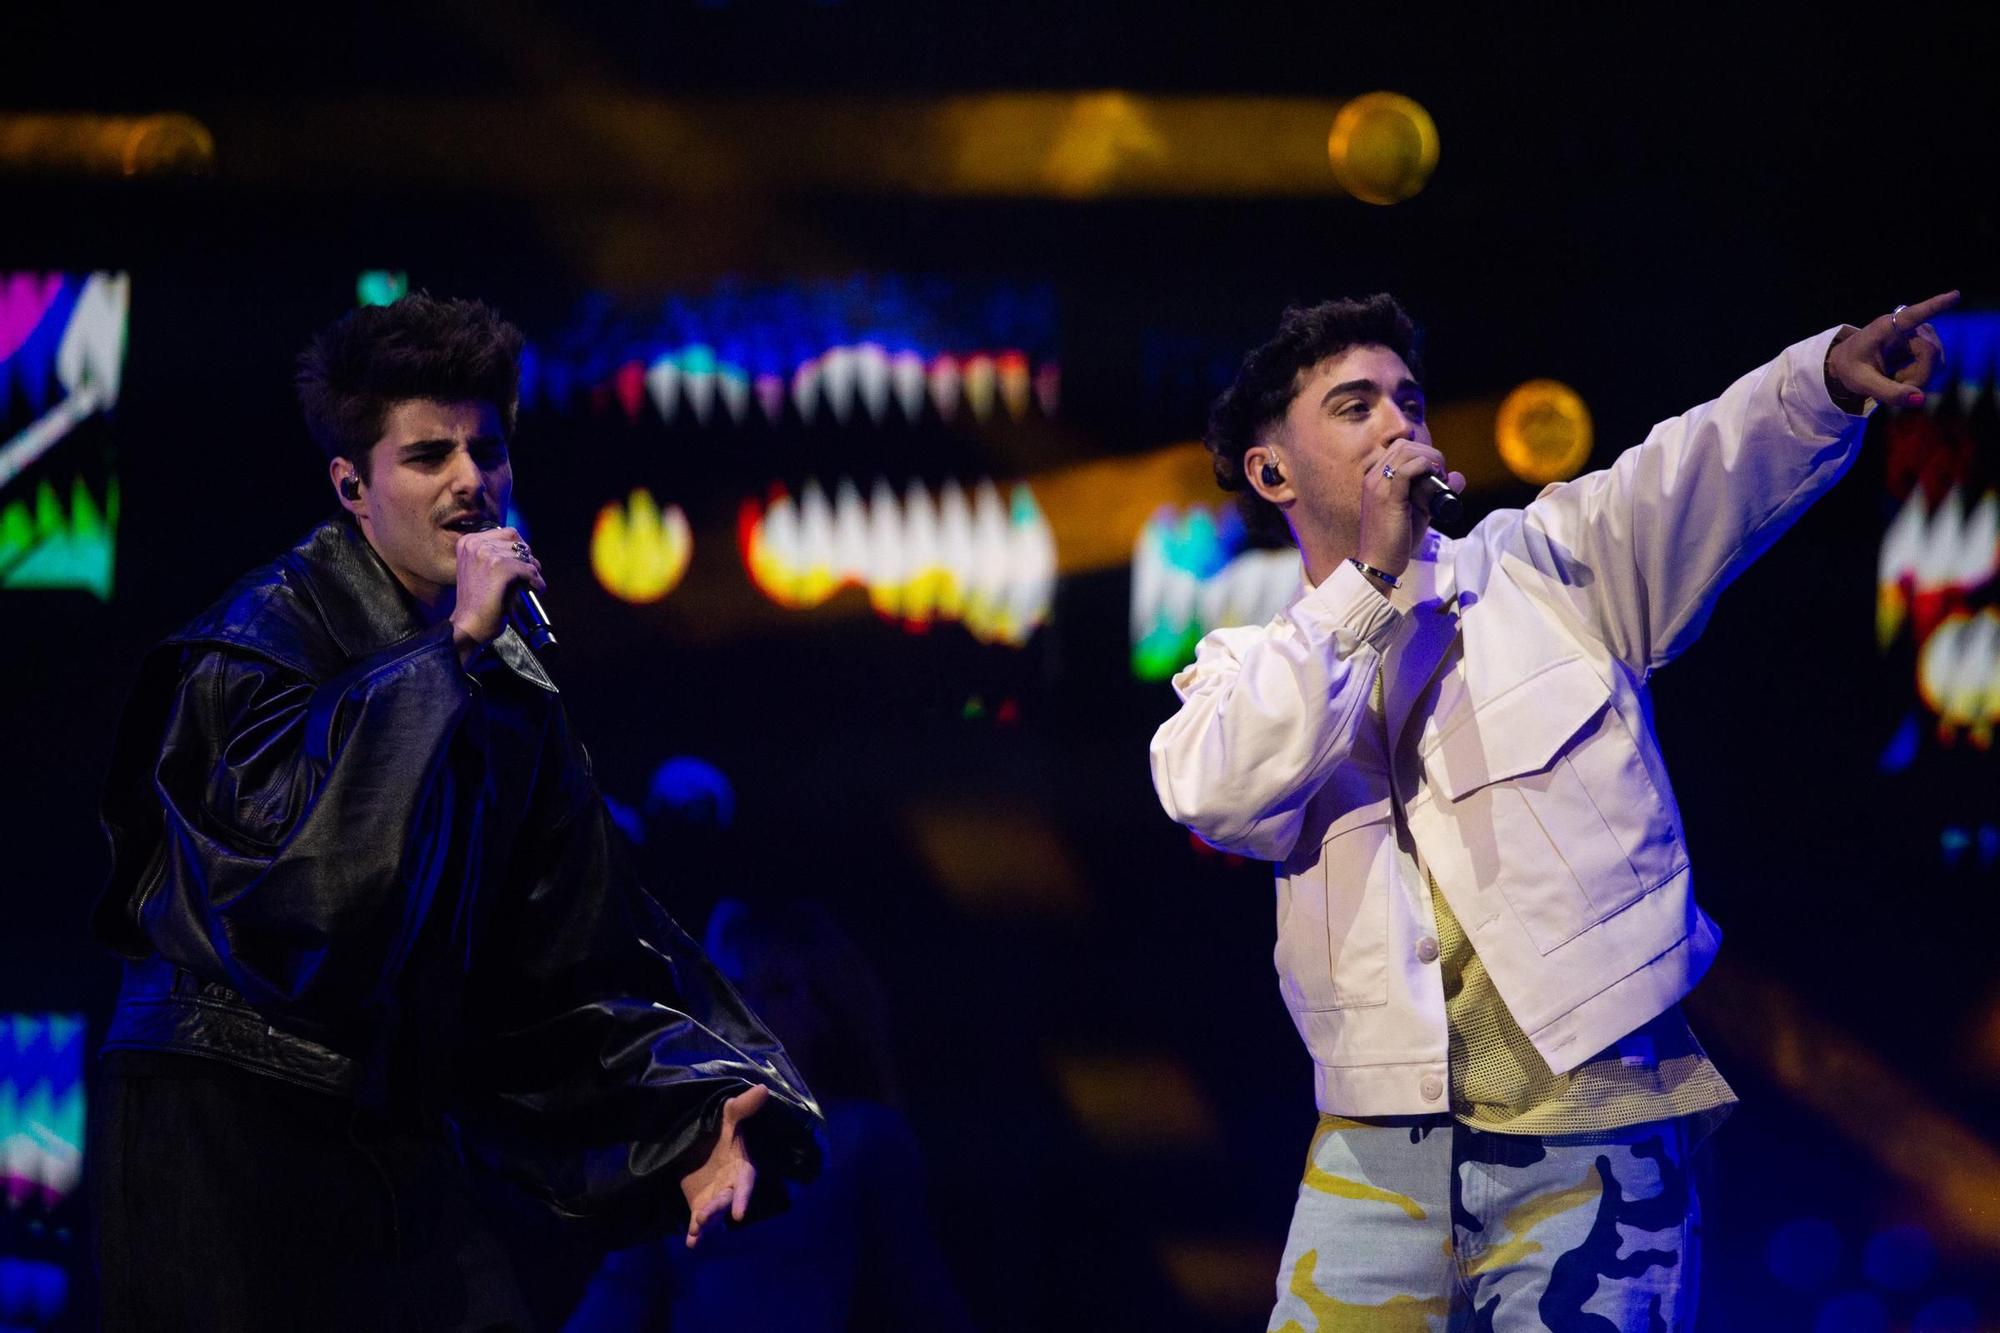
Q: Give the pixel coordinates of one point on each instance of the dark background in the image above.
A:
(1643, 207)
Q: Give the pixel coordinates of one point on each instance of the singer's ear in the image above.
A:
(346, 484)
(1266, 474)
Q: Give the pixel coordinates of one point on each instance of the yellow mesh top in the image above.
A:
(1500, 1083)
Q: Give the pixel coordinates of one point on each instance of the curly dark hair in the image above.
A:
(358, 368)
(1269, 379)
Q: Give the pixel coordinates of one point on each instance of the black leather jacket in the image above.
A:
(342, 860)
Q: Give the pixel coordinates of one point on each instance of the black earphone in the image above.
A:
(1271, 474)
(350, 488)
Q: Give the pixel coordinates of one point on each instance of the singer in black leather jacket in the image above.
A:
(351, 862)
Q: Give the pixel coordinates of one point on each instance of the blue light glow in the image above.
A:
(1901, 751)
(1900, 1258)
(693, 789)
(1853, 1312)
(1947, 1314)
(1804, 1254)
(1971, 341)
(33, 1294)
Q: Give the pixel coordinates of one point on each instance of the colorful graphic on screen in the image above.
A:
(639, 551)
(866, 349)
(1937, 592)
(41, 1109)
(984, 562)
(62, 355)
(1191, 574)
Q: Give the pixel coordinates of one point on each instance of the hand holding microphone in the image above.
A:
(1402, 493)
(498, 579)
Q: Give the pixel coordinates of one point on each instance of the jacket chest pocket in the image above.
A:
(1552, 804)
(1333, 915)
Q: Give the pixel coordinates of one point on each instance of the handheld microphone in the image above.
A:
(525, 611)
(1440, 499)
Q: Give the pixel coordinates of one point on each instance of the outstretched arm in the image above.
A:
(1640, 551)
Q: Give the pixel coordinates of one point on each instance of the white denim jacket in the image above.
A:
(1515, 759)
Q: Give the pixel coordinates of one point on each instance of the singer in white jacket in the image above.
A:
(1484, 919)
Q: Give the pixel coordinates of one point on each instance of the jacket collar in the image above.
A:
(366, 609)
(357, 598)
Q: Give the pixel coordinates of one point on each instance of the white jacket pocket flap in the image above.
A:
(1521, 730)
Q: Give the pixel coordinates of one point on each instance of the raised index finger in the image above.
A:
(1911, 316)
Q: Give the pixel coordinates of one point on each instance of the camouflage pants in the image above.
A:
(1420, 1225)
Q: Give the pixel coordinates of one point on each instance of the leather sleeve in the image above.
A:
(304, 829)
(603, 1041)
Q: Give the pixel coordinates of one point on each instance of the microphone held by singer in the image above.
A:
(1440, 500)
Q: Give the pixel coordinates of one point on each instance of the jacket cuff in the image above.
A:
(1346, 603)
(1810, 410)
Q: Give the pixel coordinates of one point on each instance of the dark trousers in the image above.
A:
(225, 1200)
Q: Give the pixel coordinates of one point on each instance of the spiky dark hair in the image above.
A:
(359, 367)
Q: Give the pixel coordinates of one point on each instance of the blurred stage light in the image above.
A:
(1958, 676)
(1900, 1258)
(1804, 1254)
(1101, 143)
(1930, 564)
(82, 144)
(1136, 1103)
(1383, 148)
(33, 1295)
(997, 861)
(1901, 750)
(1971, 341)
(1074, 145)
(41, 1109)
(381, 286)
(639, 551)
(1228, 1281)
(1543, 432)
(1947, 1314)
(1872, 1105)
(867, 349)
(1191, 574)
(692, 790)
(1852, 1312)
(988, 564)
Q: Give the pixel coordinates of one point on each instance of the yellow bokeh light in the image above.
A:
(1543, 432)
(638, 551)
(1383, 148)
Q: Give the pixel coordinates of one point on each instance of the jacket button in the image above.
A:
(1427, 950)
(1432, 1087)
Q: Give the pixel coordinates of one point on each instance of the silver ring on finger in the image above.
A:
(1388, 472)
(521, 550)
(1901, 332)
